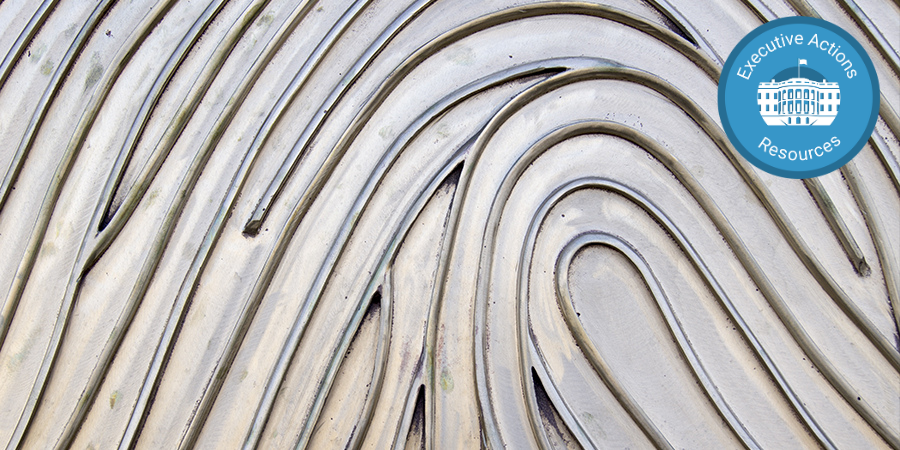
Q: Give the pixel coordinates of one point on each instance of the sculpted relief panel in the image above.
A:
(432, 223)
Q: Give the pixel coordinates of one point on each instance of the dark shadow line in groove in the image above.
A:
(716, 135)
(874, 35)
(60, 75)
(367, 311)
(761, 10)
(148, 106)
(552, 421)
(656, 31)
(838, 226)
(385, 303)
(538, 364)
(123, 56)
(312, 128)
(875, 226)
(685, 29)
(670, 22)
(416, 438)
(86, 262)
(286, 99)
(38, 19)
(297, 331)
(154, 374)
(323, 173)
(687, 353)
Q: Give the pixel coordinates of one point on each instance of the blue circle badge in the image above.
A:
(798, 97)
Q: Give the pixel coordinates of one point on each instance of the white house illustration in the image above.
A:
(798, 101)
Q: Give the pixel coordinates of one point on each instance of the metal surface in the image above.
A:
(433, 223)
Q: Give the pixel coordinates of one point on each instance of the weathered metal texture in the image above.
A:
(440, 223)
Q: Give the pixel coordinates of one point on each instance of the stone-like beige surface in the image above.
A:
(432, 223)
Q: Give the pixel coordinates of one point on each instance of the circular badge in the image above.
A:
(798, 97)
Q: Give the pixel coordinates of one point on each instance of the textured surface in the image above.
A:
(443, 223)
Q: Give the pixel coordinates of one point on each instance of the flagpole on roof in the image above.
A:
(799, 62)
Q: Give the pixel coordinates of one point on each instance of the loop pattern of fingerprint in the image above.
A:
(430, 224)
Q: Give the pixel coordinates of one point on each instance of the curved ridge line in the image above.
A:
(515, 173)
(15, 291)
(838, 225)
(86, 259)
(490, 230)
(50, 93)
(489, 425)
(292, 159)
(98, 98)
(806, 342)
(148, 106)
(560, 80)
(534, 10)
(662, 302)
(779, 306)
(38, 19)
(635, 137)
(872, 32)
(879, 237)
(400, 232)
(152, 377)
(709, 127)
(665, 36)
(672, 321)
(684, 244)
(776, 213)
(277, 373)
(298, 82)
